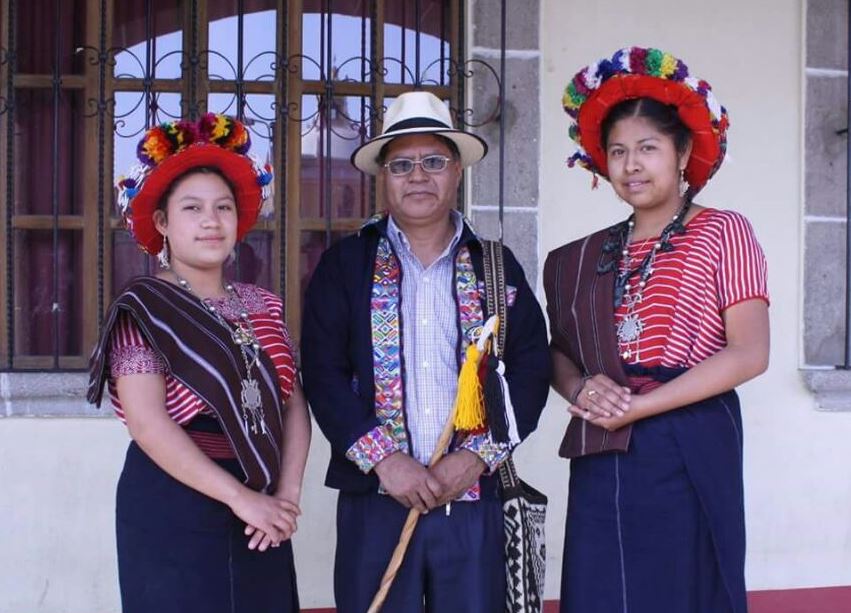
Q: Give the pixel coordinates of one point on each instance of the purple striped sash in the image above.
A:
(582, 324)
(200, 353)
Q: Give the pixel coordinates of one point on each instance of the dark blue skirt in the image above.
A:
(180, 551)
(660, 528)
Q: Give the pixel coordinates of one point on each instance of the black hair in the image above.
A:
(450, 144)
(663, 116)
(162, 205)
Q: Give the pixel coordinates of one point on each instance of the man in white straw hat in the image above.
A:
(389, 315)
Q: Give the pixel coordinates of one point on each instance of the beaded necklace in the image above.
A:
(243, 336)
(631, 294)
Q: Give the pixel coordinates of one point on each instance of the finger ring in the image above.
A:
(590, 393)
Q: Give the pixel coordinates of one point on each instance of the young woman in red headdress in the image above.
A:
(654, 322)
(201, 370)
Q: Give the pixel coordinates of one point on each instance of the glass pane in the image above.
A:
(40, 29)
(48, 319)
(258, 44)
(258, 113)
(128, 261)
(35, 149)
(350, 29)
(132, 117)
(336, 129)
(253, 263)
(149, 38)
(313, 244)
(404, 28)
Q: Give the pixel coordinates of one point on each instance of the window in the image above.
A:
(82, 79)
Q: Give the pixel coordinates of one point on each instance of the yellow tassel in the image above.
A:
(469, 401)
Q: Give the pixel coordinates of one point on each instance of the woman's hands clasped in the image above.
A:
(603, 402)
(270, 520)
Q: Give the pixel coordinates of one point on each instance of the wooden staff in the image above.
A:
(410, 525)
(414, 515)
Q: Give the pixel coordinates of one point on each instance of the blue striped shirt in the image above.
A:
(429, 338)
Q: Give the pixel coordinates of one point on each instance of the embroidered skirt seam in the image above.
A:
(620, 531)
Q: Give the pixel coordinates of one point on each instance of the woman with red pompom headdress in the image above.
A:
(654, 322)
(201, 370)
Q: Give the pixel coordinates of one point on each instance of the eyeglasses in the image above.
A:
(430, 163)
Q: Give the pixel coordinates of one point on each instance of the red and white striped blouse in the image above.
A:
(716, 264)
(130, 353)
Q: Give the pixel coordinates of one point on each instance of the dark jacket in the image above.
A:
(337, 360)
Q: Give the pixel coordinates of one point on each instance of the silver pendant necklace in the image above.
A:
(243, 336)
(631, 326)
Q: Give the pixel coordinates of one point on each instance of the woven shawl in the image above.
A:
(200, 353)
(582, 324)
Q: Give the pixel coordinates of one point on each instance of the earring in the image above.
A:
(683, 183)
(162, 256)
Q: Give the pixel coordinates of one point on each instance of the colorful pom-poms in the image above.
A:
(155, 146)
(225, 132)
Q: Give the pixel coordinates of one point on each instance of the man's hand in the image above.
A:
(457, 472)
(409, 482)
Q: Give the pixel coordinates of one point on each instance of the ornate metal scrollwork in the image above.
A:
(467, 70)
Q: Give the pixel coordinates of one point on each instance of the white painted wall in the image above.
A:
(798, 486)
(57, 510)
(57, 528)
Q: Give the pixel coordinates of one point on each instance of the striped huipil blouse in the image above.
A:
(130, 353)
(716, 264)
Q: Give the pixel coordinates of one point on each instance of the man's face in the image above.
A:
(420, 198)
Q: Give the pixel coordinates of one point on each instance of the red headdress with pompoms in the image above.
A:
(638, 72)
(169, 150)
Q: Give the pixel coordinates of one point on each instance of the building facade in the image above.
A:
(312, 77)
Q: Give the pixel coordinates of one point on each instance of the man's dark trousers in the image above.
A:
(454, 563)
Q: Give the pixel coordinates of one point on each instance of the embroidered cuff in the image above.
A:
(471, 495)
(491, 453)
(373, 447)
(134, 360)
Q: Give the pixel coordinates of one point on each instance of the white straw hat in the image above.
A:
(418, 113)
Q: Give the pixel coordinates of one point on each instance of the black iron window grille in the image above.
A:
(80, 81)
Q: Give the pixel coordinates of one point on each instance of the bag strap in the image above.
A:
(495, 293)
(496, 303)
